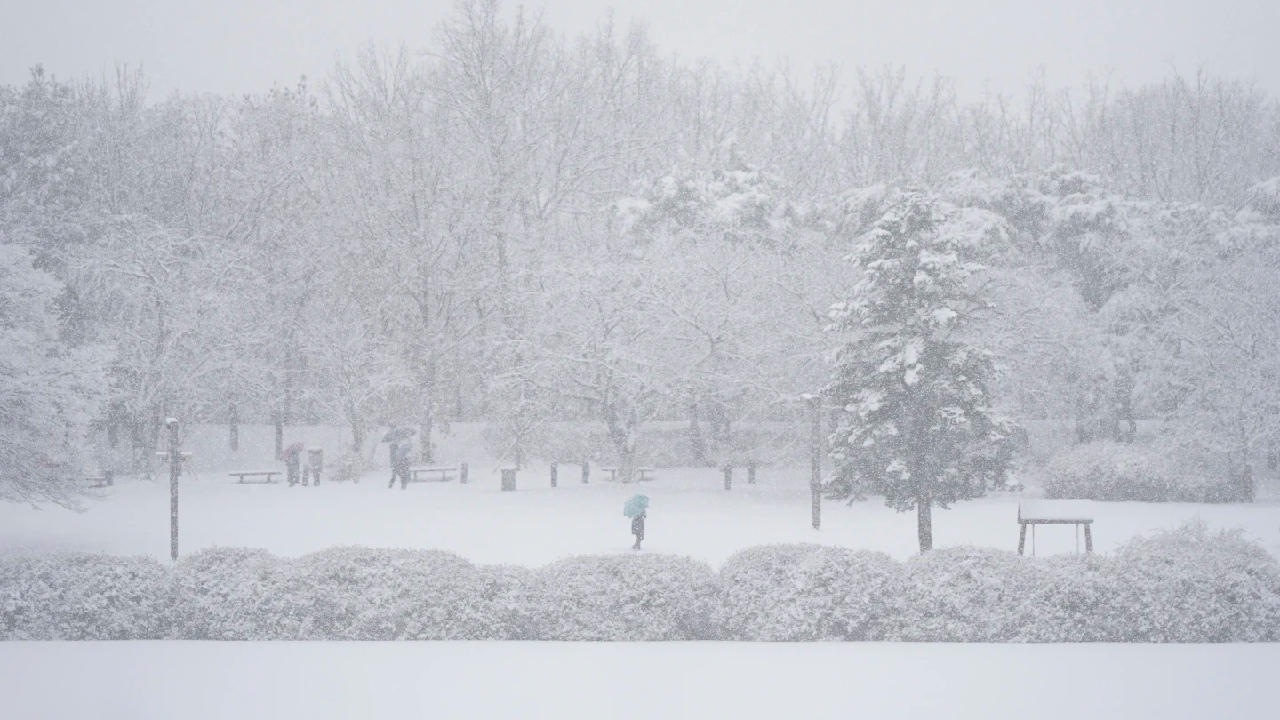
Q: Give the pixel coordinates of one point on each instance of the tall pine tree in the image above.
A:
(917, 425)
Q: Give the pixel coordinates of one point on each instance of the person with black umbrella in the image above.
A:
(400, 440)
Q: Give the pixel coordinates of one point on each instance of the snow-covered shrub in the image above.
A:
(234, 594)
(1067, 601)
(354, 593)
(82, 596)
(627, 598)
(511, 598)
(804, 592)
(1117, 471)
(965, 594)
(1191, 585)
(1264, 198)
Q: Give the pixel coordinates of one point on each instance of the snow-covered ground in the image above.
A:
(691, 514)
(318, 681)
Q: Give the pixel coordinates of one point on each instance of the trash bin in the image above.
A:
(509, 479)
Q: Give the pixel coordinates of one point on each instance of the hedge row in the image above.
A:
(1188, 585)
(1153, 472)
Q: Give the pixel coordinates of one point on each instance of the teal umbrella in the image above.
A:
(636, 505)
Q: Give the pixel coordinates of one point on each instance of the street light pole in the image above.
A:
(175, 467)
(815, 478)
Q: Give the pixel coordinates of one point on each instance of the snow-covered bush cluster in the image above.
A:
(356, 593)
(232, 594)
(805, 592)
(1190, 585)
(83, 596)
(963, 594)
(1187, 585)
(608, 597)
(334, 594)
(1117, 471)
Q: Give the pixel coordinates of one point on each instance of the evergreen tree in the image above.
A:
(917, 425)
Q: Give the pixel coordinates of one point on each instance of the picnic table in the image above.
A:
(267, 474)
(645, 474)
(1055, 512)
(440, 473)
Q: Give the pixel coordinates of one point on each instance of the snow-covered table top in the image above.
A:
(1055, 511)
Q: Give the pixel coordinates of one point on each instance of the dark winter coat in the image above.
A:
(405, 457)
(637, 526)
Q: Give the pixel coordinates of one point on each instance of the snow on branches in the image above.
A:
(49, 392)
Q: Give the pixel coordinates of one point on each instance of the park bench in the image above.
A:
(644, 474)
(267, 474)
(1054, 512)
(103, 480)
(434, 473)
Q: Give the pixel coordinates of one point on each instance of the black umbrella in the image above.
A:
(396, 434)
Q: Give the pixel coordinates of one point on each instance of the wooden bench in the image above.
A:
(268, 474)
(645, 474)
(103, 480)
(441, 474)
(1054, 512)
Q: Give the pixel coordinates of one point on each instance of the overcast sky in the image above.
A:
(232, 46)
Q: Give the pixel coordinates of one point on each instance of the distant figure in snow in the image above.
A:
(293, 463)
(315, 463)
(400, 456)
(395, 464)
(637, 529)
(406, 455)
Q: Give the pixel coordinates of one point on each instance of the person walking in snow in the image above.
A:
(395, 464)
(293, 463)
(637, 529)
(402, 464)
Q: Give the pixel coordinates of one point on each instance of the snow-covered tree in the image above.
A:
(594, 341)
(50, 393)
(917, 423)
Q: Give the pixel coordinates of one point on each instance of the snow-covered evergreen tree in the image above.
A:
(49, 392)
(917, 424)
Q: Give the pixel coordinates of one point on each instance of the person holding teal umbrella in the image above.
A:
(635, 508)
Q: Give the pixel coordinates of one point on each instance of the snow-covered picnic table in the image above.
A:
(440, 473)
(1054, 512)
(644, 474)
(267, 474)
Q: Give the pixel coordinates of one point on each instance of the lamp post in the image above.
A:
(815, 477)
(175, 467)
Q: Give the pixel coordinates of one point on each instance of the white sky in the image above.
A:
(232, 46)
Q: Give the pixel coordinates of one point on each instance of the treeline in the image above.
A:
(516, 226)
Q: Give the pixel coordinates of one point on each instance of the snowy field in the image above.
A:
(318, 681)
(691, 514)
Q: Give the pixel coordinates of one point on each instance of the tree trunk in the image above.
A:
(622, 435)
(278, 419)
(697, 442)
(235, 429)
(627, 468)
(924, 523)
(137, 441)
(428, 447)
(357, 438)
(457, 392)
